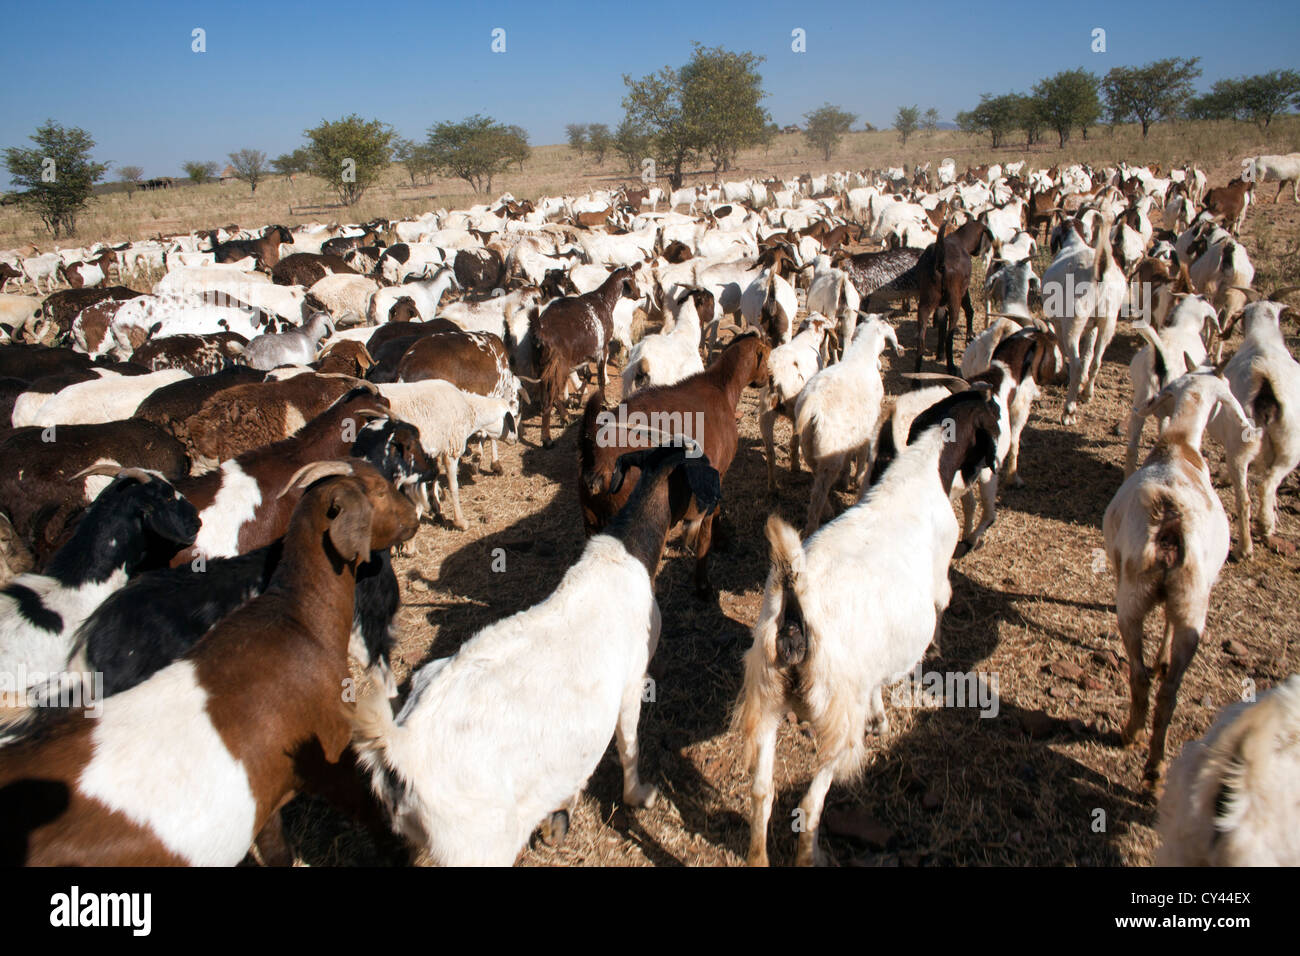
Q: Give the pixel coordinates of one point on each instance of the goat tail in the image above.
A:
(594, 478)
(1168, 544)
(373, 725)
(789, 644)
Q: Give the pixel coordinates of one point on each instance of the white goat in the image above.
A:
(1233, 797)
(836, 413)
(1083, 291)
(1166, 538)
(790, 366)
(447, 418)
(849, 611)
(1265, 379)
(666, 358)
(1174, 351)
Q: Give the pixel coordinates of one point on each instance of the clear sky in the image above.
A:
(125, 70)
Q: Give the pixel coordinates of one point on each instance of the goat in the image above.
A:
(467, 783)
(1083, 291)
(237, 503)
(790, 366)
(1265, 379)
(701, 408)
(668, 357)
(1230, 203)
(293, 347)
(1172, 352)
(572, 331)
(266, 250)
(137, 522)
(1231, 796)
(852, 609)
(1166, 537)
(447, 418)
(267, 679)
(836, 412)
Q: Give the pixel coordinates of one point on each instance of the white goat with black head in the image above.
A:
(503, 736)
(854, 608)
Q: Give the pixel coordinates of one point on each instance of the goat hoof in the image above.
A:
(555, 828)
(963, 549)
(498, 468)
(643, 796)
(1017, 482)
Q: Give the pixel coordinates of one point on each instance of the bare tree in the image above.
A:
(249, 166)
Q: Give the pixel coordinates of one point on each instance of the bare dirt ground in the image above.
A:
(1044, 782)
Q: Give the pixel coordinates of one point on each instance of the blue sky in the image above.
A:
(125, 70)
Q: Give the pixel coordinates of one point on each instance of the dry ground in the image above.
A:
(1032, 609)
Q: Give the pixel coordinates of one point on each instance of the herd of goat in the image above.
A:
(203, 487)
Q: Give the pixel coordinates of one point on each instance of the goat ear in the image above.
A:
(350, 514)
(704, 481)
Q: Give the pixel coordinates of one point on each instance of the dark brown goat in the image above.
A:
(265, 250)
(39, 499)
(308, 268)
(197, 354)
(171, 406)
(701, 407)
(575, 330)
(479, 270)
(944, 286)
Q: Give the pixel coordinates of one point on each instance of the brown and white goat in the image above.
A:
(190, 766)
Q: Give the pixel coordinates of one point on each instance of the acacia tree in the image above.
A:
(1068, 99)
(656, 117)
(349, 154)
(907, 120)
(131, 176)
(249, 166)
(291, 164)
(825, 126)
(57, 176)
(1149, 93)
(1257, 98)
(632, 143)
(930, 121)
(721, 91)
(476, 149)
(599, 141)
(199, 171)
(995, 115)
(577, 133)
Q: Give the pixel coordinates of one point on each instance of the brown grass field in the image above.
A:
(1032, 606)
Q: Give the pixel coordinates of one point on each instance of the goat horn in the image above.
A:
(1285, 290)
(100, 468)
(314, 471)
(1253, 294)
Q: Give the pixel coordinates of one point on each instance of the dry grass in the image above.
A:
(557, 169)
(946, 786)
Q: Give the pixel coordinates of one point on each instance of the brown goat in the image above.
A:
(575, 330)
(308, 268)
(244, 417)
(248, 514)
(197, 354)
(944, 271)
(1229, 202)
(253, 701)
(265, 250)
(702, 407)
